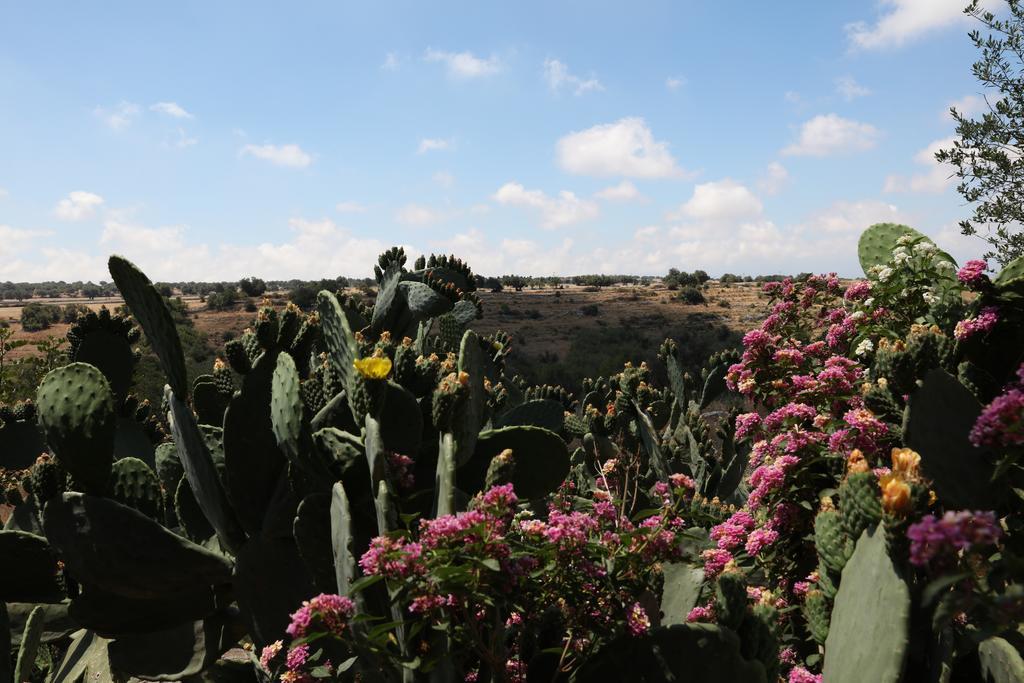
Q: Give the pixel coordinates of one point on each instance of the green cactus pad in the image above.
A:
(122, 551)
(286, 407)
(168, 467)
(680, 592)
(113, 616)
(541, 460)
(469, 417)
(834, 546)
(342, 539)
(202, 474)
(695, 653)
(29, 644)
(388, 303)
(1001, 662)
(1010, 274)
(58, 625)
(252, 458)
(877, 243)
(337, 337)
(860, 503)
(731, 599)
(76, 411)
(132, 483)
(148, 307)
(173, 654)
(817, 612)
(20, 444)
(869, 630)
(312, 531)
(30, 572)
(193, 522)
(544, 412)
(401, 421)
(86, 660)
(270, 583)
(112, 355)
(939, 418)
(423, 301)
(209, 403)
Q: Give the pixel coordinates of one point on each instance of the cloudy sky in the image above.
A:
(217, 140)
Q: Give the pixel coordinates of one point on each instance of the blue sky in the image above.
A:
(218, 140)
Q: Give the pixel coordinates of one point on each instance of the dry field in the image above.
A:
(544, 323)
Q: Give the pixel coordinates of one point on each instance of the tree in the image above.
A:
(252, 286)
(988, 153)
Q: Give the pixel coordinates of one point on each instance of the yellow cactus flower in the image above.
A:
(855, 462)
(895, 494)
(906, 462)
(373, 368)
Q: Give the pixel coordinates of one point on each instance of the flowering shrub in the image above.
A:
(851, 441)
(495, 580)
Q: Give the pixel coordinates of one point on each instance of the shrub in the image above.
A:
(590, 310)
(252, 286)
(37, 316)
(691, 295)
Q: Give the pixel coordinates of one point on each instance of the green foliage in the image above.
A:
(36, 316)
(987, 150)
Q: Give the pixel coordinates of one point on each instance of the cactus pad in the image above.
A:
(869, 630)
(148, 307)
(76, 411)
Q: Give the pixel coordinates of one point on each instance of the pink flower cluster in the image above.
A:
(393, 558)
(400, 468)
(327, 611)
(980, 324)
(973, 273)
(939, 540)
(799, 674)
(1001, 423)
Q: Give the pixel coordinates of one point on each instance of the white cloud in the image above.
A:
(565, 209)
(829, 134)
(557, 75)
(391, 62)
(719, 201)
(172, 109)
(349, 207)
(905, 20)
(78, 205)
(675, 82)
(850, 89)
(464, 64)
(623, 192)
(430, 144)
(648, 232)
(417, 215)
(184, 139)
(935, 179)
(119, 116)
(853, 217)
(444, 179)
(968, 105)
(624, 148)
(282, 155)
(774, 179)
(14, 241)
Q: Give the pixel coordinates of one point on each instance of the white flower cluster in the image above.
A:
(864, 348)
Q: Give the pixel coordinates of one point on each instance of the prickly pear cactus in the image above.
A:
(869, 629)
(76, 411)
